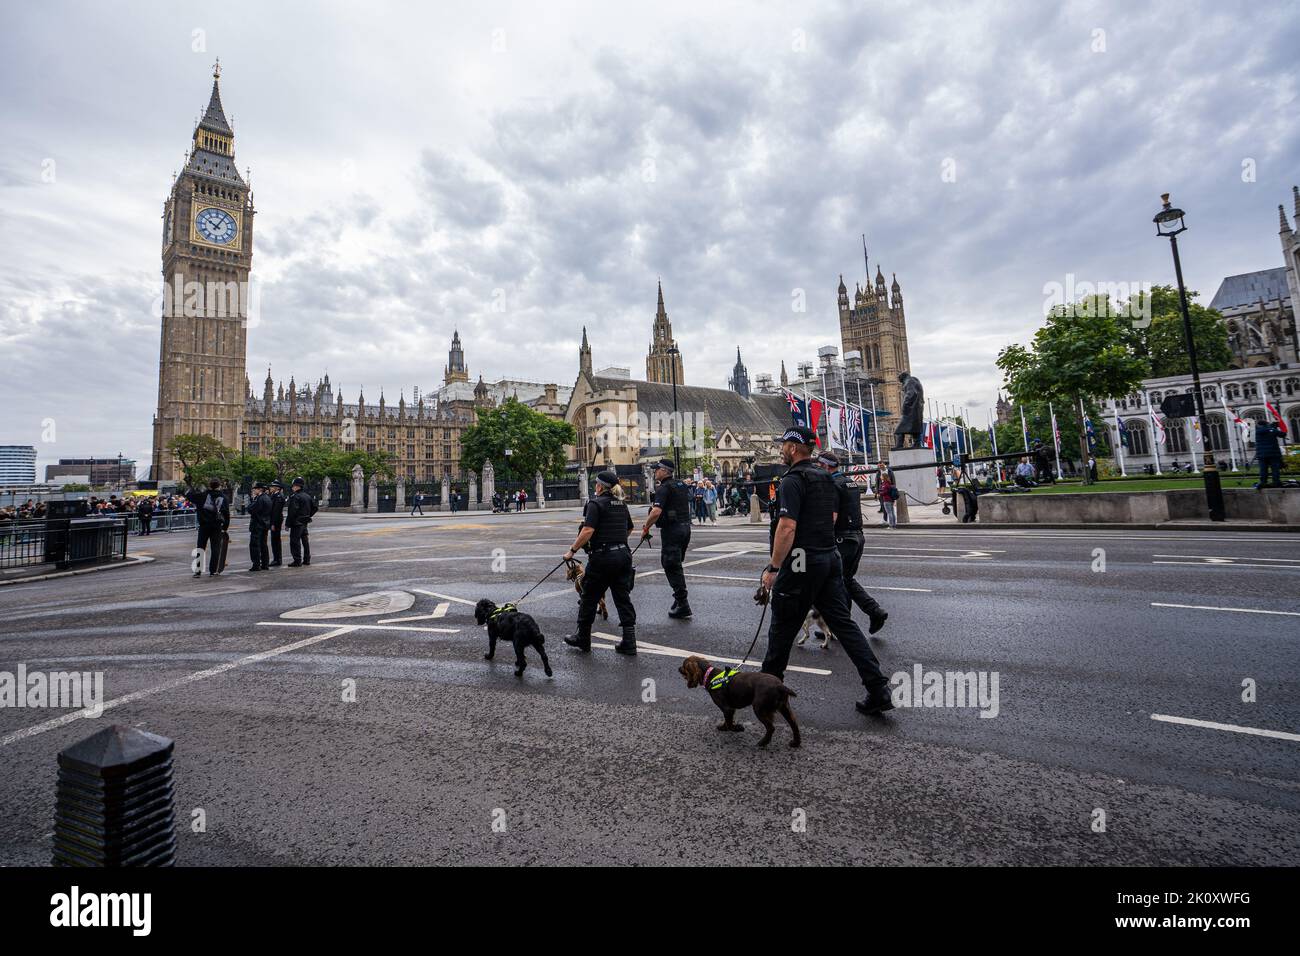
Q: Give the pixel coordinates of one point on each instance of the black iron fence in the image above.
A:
(62, 542)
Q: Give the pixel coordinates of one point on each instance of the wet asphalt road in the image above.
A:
(615, 761)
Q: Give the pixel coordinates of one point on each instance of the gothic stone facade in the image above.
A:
(874, 325)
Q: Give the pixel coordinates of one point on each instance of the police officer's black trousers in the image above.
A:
(276, 545)
(673, 542)
(257, 549)
(850, 547)
(819, 585)
(299, 545)
(610, 570)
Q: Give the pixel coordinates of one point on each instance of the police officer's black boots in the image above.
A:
(628, 644)
(581, 640)
(877, 702)
(681, 610)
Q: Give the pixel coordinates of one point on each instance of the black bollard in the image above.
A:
(115, 804)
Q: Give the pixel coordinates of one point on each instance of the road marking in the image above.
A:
(173, 684)
(445, 597)
(1224, 557)
(1234, 728)
(1224, 563)
(362, 627)
(1239, 610)
(754, 581)
(439, 611)
(660, 649)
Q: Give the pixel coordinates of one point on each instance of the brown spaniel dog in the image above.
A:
(733, 690)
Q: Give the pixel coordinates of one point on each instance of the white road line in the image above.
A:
(1234, 728)
(1239, 610)
(754, 581)
(644, 646)
(362, 627)
(1226, 557)
(173, 684)
(1220, 563)
(439, 611)
(445, 597)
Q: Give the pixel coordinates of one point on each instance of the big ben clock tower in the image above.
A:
(207, 252)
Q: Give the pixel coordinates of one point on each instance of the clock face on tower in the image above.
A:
(216, 226)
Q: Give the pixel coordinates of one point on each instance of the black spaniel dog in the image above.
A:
(508, 623)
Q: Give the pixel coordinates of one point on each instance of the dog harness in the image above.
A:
(503, 609)
(724, 675)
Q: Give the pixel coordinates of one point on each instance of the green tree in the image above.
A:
(311, 460)
(1078, 354)
(372, 463)
(1165, 345)
(535, 440)
(189, 450)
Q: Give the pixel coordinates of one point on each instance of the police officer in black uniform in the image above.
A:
(277, 520)
(849, 540)
(805, 570)
(671, 514)
(606, 523)
(259, 523)
(300, 508)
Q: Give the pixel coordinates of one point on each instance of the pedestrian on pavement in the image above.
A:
(606, 523)
(670, 512)
(711, 501)
(277, 520)
(415, 504)
(523, 500)
(213, 510)
(259, 524)
(144, 511)
(300, 509)
(1268, 450)
(887, 492)
(805, 571)
(849, 539)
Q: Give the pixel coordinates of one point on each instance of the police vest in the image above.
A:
(613, 524)
(815, 528)
(850, 505)
(678, 507)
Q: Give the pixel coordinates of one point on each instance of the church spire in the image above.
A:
(584, 355)
(663, 363)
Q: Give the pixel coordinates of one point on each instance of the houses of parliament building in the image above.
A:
(204, 388)
(203, 385)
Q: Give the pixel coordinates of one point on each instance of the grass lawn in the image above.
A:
(1228, 480)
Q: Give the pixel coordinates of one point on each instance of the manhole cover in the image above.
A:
(363, 605)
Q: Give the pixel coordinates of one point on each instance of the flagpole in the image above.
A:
(1056, 438)
(1119, 438)
(863, 412)
(993, 438)
(1155, 443)
(1024, 429)
(1229, 426)
(871, 390)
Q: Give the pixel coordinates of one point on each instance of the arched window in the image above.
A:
(1216, 433)
(1233, 391)
(1249, 390)
(1251, 417)
(1139, 442)
(1209, 392)
(1292, 386)
(1274, 387)
(1175, 436)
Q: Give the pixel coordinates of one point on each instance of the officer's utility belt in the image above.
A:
(851, 533)
(601, 548)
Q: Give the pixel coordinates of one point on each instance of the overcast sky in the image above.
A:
(519, 170)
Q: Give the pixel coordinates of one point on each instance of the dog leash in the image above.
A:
(563, 561)
(643, 540)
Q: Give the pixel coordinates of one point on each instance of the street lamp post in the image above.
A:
(121, 485)
(1169, 223)
(677, 452)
